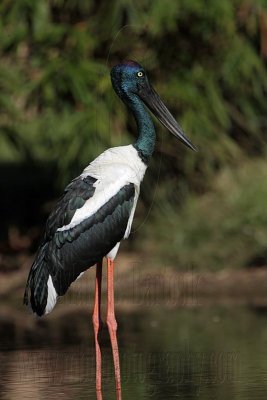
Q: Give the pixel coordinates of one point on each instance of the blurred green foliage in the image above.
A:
(204, 57)
(224, 227)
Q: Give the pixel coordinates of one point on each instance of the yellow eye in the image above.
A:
(140, 73)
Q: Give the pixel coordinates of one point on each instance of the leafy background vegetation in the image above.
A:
(207, 59)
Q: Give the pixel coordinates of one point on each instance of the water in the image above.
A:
(166, 353)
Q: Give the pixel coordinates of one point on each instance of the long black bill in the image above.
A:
(156, 105)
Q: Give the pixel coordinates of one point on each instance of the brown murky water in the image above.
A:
(166, 353)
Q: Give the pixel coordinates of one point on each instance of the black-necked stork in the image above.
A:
(96, 211)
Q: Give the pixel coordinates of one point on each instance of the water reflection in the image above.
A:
(46, 373)
(204, 353)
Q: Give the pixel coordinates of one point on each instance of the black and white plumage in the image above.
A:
(96, 211)
(89, 221)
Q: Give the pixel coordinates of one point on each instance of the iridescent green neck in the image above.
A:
(145, 142)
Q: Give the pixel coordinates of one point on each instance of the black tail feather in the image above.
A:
(37, 284)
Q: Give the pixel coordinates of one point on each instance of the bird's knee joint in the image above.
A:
(96, 322)
(112, 323)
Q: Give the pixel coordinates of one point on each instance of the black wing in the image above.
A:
(66, 253)
(74, 250)
(74, 197)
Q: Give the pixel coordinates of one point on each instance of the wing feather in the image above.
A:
(74, 197)
(78, 248)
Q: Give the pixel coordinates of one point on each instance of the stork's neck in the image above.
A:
(145, 142)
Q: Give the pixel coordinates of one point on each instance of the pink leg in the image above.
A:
(112, 327)
(97, 327)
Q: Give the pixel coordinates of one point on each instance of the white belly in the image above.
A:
(112, 254)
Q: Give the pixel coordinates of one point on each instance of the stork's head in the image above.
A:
(126, 78)
(129, 80)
